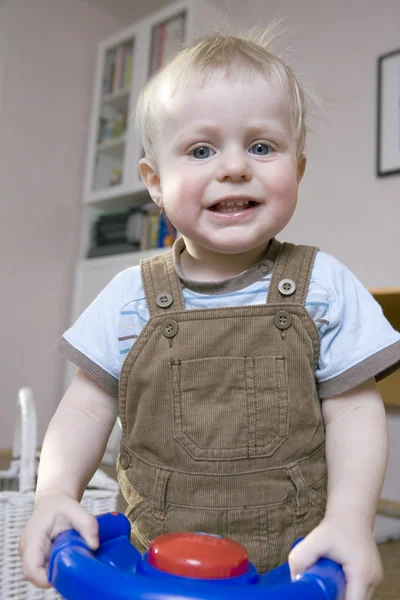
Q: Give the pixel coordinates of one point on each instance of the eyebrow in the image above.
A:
(201, 129)
(189, 135)
(265, 128)
(254, 129)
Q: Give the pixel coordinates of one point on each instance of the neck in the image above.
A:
(202, 264)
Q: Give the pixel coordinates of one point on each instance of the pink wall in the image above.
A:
(46, 89)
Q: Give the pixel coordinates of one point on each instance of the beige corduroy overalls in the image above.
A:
(222, 424)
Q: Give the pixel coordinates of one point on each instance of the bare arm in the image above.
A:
(356, 451)
(76, 438)
(72, 450)
(356, 454)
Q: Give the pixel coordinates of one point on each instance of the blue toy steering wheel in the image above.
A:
(117, 571)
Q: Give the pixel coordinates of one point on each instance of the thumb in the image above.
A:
(304, 555)
(86, 525)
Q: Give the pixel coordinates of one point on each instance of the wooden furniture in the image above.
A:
(389, 299)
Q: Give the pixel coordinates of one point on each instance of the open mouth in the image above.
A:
(232, 206)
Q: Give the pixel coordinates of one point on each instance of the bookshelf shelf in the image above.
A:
(115, 198)
(117, 99)
(113, 147)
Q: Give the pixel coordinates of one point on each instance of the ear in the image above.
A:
(151, 178)
(301, 167)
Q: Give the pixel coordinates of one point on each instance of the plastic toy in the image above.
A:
(186, 566)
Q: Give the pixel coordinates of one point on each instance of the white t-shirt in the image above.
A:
(356, 340)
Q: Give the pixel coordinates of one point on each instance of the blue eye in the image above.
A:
(260, 149)
(202, 152)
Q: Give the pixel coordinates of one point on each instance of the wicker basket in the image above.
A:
(17, 486)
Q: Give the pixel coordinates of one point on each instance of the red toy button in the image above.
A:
(198, 555)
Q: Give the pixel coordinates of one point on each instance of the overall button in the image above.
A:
(287, 287)
(283, 319)
(170, 328)
(264, 268)
(124, 460)
(164, 300)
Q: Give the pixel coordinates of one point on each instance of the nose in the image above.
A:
(234, 166)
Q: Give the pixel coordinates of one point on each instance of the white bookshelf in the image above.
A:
(125, 62)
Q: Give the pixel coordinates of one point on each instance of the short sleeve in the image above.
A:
(92, 341)
(357, 341)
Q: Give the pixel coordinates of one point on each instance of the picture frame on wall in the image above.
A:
(388, 130)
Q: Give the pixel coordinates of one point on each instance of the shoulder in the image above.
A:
(327, 267)
(346, 295)
(95, 334)
(334, 277)
(125, 287)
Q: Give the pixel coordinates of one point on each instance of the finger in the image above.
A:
(85, 524)
(305, 555)
(356, 589)
(38, 578)
(362, 580)
(34, 562)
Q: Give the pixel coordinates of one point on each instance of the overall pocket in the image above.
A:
(145, 526)
(230, 408)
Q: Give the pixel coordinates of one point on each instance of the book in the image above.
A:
(152, 224)
(167, 39)
(108, 72)
(118, 69)
(155, 49)
(174, 37)
(128, 63)
(166, 232)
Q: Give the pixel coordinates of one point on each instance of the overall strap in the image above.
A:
(162, 286)
(291, 275)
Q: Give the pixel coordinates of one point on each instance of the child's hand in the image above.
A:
(350, 543)
(52, 515)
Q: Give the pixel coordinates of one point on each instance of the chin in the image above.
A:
(235, 248)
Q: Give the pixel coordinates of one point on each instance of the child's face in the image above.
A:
(227, 174)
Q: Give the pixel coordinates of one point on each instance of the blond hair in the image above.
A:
(235, 57)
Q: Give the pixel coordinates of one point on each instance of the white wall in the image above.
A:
(44, 110)
(3, 45)
(343, 207)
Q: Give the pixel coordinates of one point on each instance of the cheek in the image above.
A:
(283, 184)
(179, 187)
